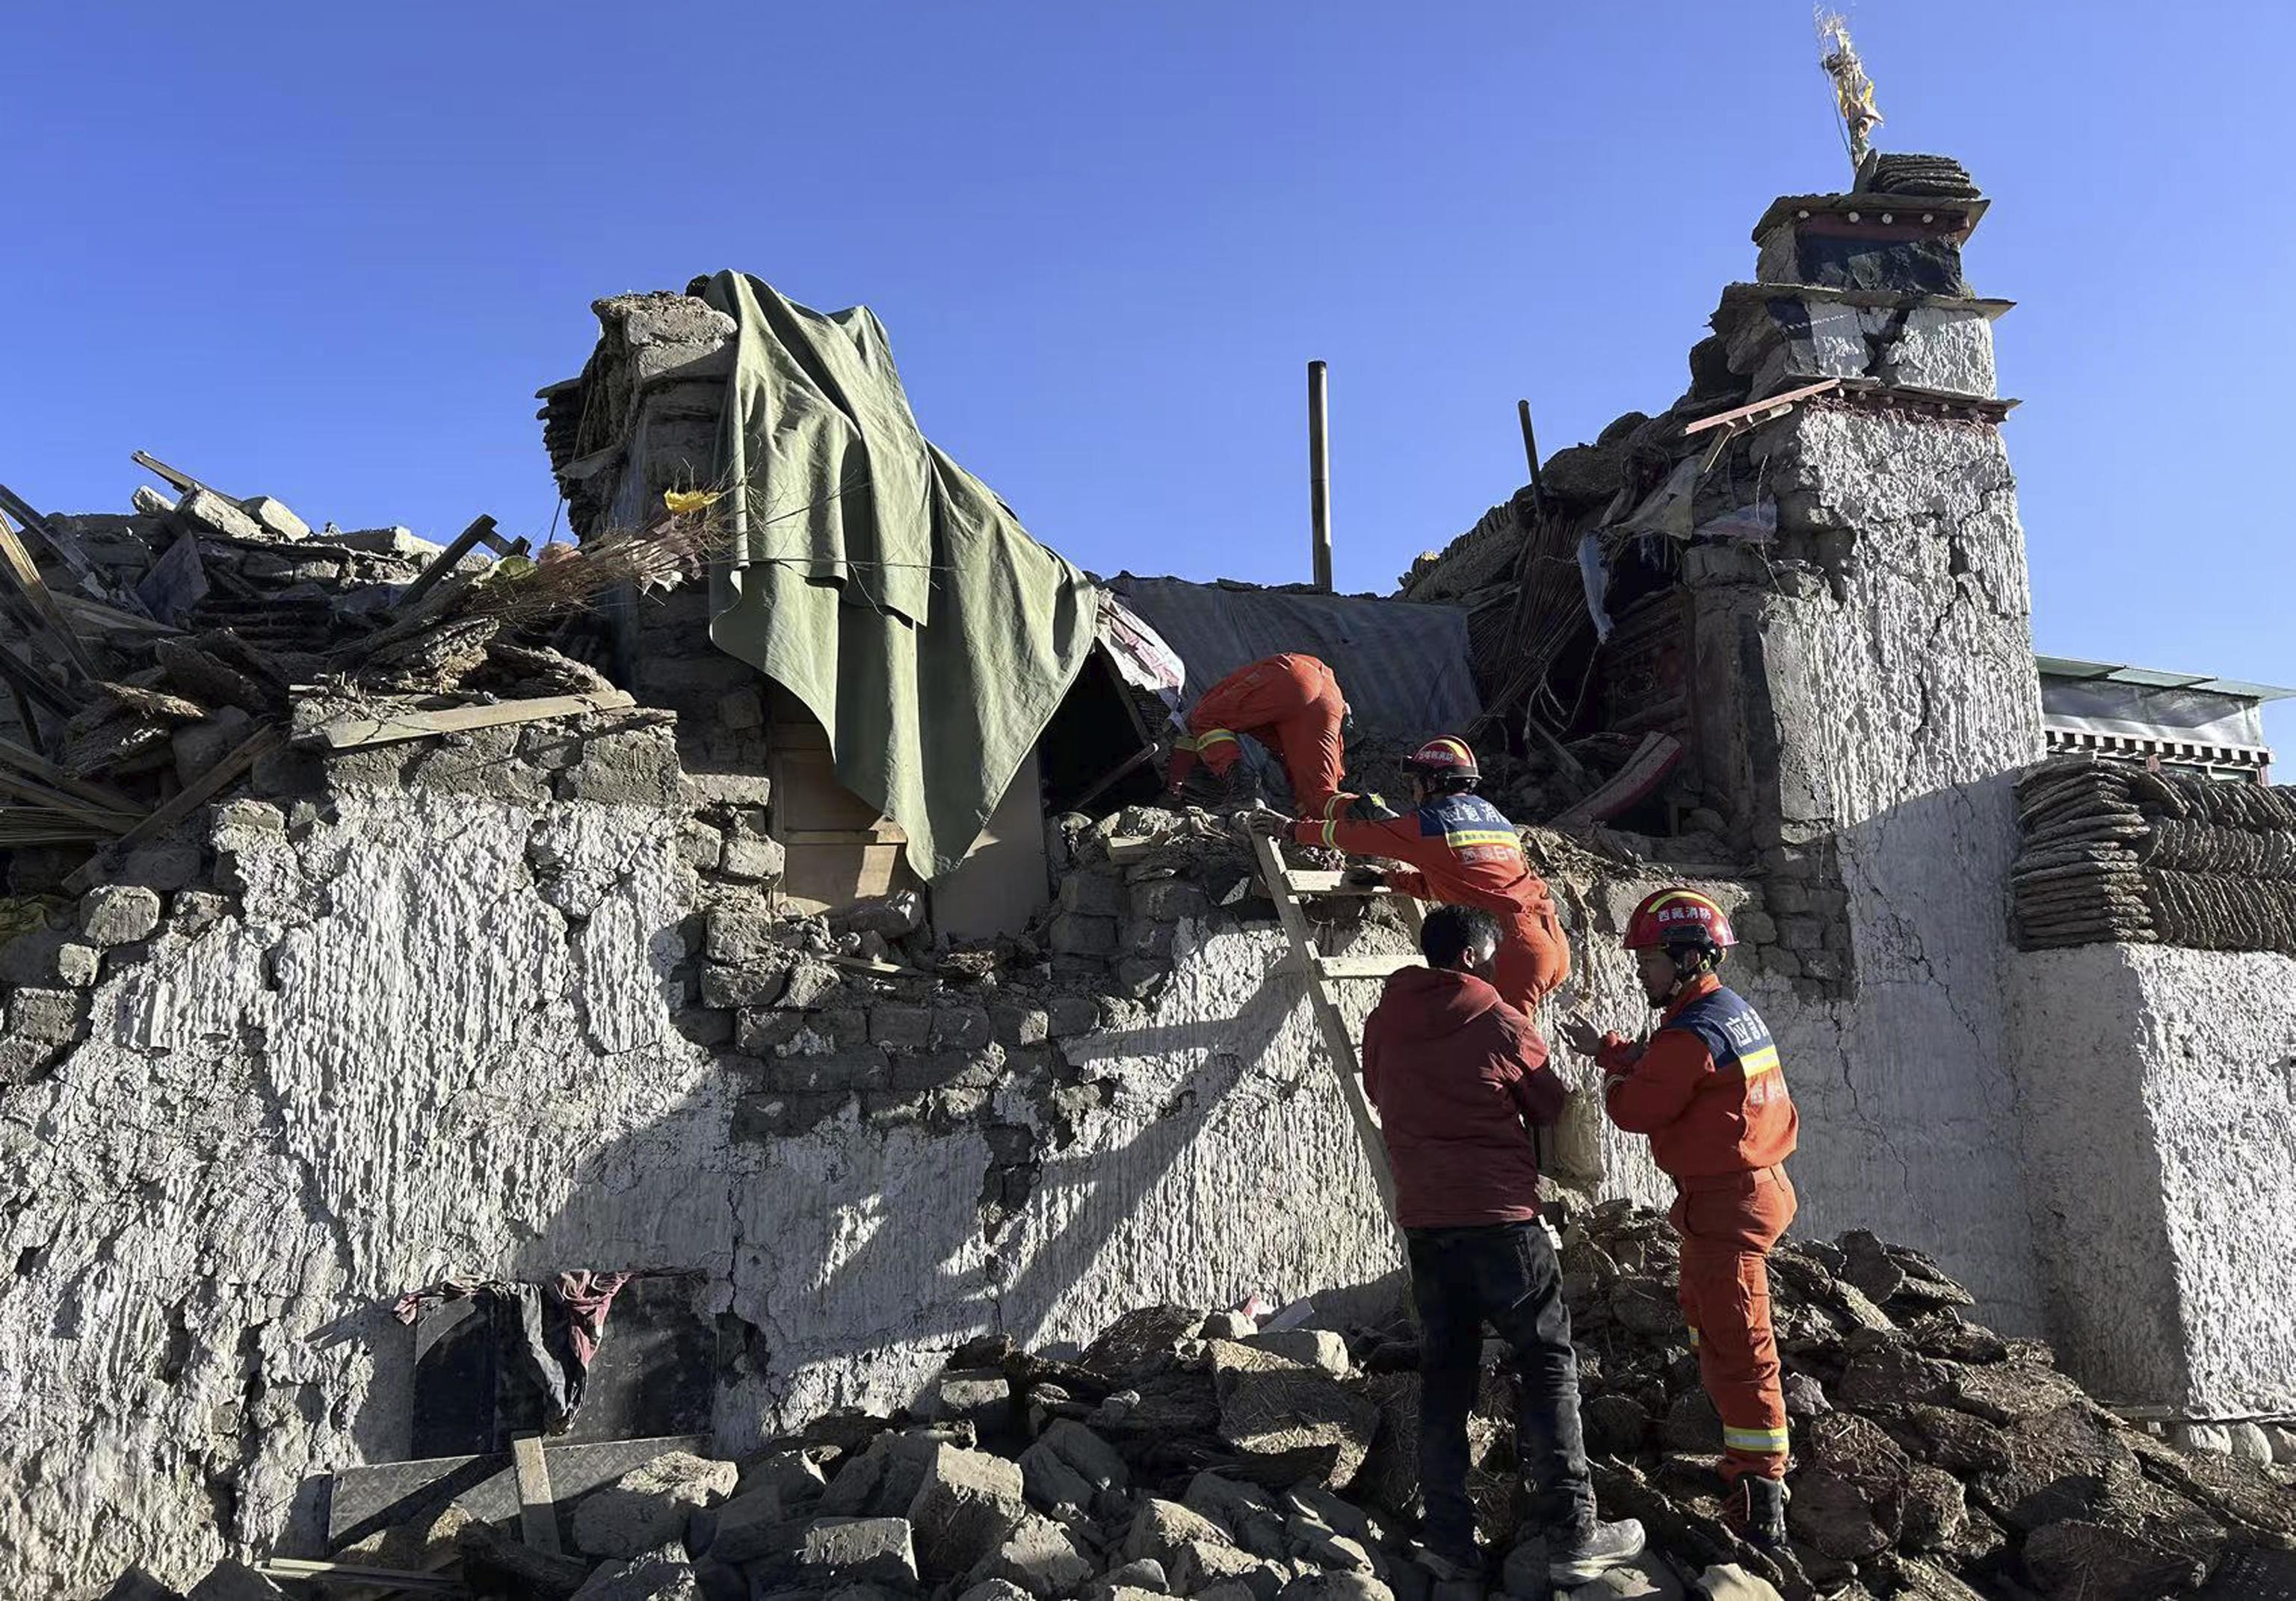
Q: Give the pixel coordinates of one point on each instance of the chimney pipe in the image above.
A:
(1319, 473)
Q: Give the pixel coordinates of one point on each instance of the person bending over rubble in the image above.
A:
(1292, 705)
(1708, 1091)
(1457, 1074)
(1462, 851)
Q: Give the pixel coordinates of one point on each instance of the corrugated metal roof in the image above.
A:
(2108, 672)
(1403, 665)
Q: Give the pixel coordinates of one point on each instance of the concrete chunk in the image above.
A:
(1069, 1465)
(867, 1550)
(650, 1504)
(1198, 1565)
(205, 512)
(43, 1014)
(1312, 1346)
(882, 1480)
(969, 1504)
(1161, 1529)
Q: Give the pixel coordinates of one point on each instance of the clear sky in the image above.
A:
(328, 252)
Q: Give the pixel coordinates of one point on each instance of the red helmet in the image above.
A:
(1446, 756)
(1679, 916)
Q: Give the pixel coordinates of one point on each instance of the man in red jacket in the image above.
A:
(1462, 851)
(1457, 1074)
(1292, 705)
(1708, 1091)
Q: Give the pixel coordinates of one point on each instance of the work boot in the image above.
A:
(1573, 1558)
(1205, 788)
(1756, 1507)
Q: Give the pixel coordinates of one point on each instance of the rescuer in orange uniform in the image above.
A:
(1708, 1091)
(1462, 851)
(1292, 705)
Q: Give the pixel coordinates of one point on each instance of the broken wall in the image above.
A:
(419, 1031)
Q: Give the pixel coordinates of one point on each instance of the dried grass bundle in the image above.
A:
(674, 548)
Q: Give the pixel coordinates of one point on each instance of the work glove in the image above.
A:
(1364, 878)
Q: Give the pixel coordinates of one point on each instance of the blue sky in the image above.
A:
(328, 253)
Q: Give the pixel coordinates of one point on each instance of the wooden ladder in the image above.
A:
(1290, 888)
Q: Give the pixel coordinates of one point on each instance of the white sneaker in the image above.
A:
(1601, 1548)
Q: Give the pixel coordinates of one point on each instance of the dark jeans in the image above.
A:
(1505, 1275)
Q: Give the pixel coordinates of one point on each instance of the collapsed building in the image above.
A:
(755, 935)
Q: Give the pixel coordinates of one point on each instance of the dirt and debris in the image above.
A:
(1188, 1454)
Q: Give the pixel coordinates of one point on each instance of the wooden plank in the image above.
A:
(1644, 771)
(308, 1572)
(538, 1508)
(1320, 882)
(1338, 1042)
(193, 796)
(102, 619)
(1778, 402)
(351, 733)
(110, 819)
(182, 482)
(1125, 851)
(66, 548)
(1363, 967)
(443, 564)
(23, 675)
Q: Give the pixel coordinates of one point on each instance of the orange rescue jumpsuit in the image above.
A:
(1463, 851)
(1292, 705)
(1708, 1091)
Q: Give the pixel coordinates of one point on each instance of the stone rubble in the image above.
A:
(1934, 1460)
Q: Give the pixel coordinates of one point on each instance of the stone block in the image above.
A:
(754, 1525)
(1163, 1528)
(22, 1061)
(1169, 899)
(999, 1590)
(631, 766)
(901, 1025)
(205, 512)
(198, 746)
(663, 1575)
(1292, 1425)
(77, 966)
(882, 1480)
(650, 1504)
(1069, 1465)
(812, 983)
(1040, 1556)
(118, 914)
(748, 860)
(1139, 977)
(1145, 1577)
(161, 868)
(742, 707)
(1020, 1026)
(1153, 940)
(839, 1071)
(193, 910)
(759, 983)
(275, 519)
(1070, 1015)
(1826, 966)
(950, 1069)
(1096, 893)
(981, 1397)
(740, 935)
(968, 1506)
(1199, 1564)
(1310, 1347)
(51, 1015)
(700, 847)
(1802, 934)
(1335, 1587)
(961, 1026)
(768, 1033)
(868, 1550)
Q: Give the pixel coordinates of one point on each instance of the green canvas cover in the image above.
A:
(882, 584)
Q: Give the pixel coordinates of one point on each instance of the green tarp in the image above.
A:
(881, 583)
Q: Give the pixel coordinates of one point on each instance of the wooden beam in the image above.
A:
(24, 676)
(1779, 404)
(352, 733)
(444, 563)
(307, 1571)
(183, 481)
(1364, 967)
(63, 805)
(193, 795)
(1644, 771)
(33, 765)
(538, 1507)
(66, 548)
(17, 562)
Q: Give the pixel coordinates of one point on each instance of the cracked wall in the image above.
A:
(2158, 1107)
(441, 1035)
(1867, 706)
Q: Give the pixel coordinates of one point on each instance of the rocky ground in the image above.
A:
(1192, 1455)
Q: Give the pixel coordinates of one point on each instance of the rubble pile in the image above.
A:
(1190, 1454)
(2110, 853)
(155, 656)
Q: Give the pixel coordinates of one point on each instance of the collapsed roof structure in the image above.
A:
(455, 999)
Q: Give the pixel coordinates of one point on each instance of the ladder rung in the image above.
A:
(1362, 967)
(1311, 880)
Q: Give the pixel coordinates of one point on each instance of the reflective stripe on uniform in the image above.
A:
(1757, 1063)
(1331, 831)
(1462, 838)
(1694, 1335)
(1768, 1442)
(1213, 736)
